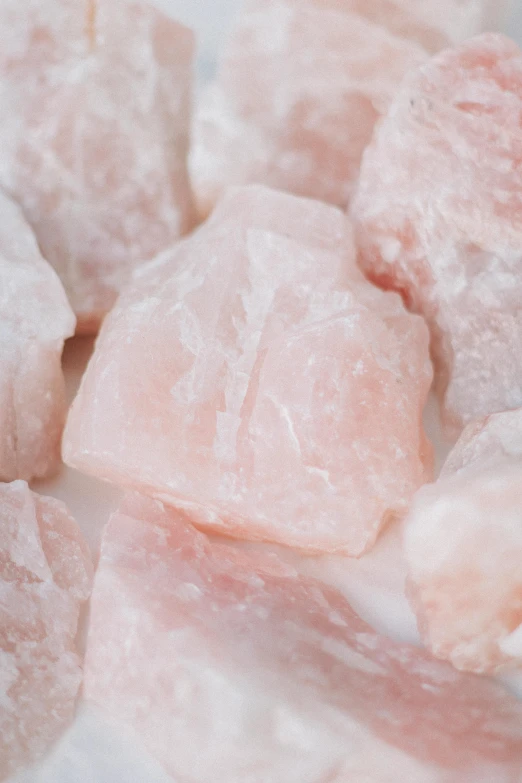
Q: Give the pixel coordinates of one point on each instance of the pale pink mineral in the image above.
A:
(45, 575)
(463, 546)
(94, 98)
(301, 83)
(231, 667)
(438, 218)
(435, 24)
(254, 377)
(35, 319)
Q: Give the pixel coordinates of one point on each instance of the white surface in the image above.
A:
(94, 752)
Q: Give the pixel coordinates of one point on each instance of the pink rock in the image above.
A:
(232, 667)
(301, 83)
(437, 217)
(45, 574)
(35, 319)
(463, 546)
(95, 111)
(435, 25)
(302, 118)
(255, 378)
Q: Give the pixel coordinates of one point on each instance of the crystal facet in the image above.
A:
(254, 377)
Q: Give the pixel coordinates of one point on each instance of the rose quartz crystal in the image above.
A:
(304, 115)
(94, 101)
(463, 546)
(35, 319)
(301, 84)
(45, 574)
(232, 667)
(435, 25)
(437, 217)
(254, 377)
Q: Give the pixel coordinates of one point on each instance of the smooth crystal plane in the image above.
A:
(253, 377)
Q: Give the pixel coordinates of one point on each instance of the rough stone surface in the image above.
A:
(231, 667)
(301, 83)
(45, 574)
(254, 377)
(35, 319)
(94, 96)
(463, 546)
(304, 115)
(437, 217)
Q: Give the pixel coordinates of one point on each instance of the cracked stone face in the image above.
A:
(253, 377)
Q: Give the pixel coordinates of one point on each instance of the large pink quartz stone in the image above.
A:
(94, 99)
(255, 378)
(463, 546)
(232, 667)
(45, 575)
(35, 319)
(438, 217)
(301, 83)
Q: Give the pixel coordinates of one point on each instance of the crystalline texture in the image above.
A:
(95, 105)
(301, 83)
(231, 667)
(317, 81)
(35, 319)
(254, 377)
(463, 545)
(437, 217)
(45, 574)
(435, 25)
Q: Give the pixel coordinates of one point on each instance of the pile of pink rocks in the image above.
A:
(356, 170)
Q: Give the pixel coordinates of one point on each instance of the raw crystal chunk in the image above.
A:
(45, 574)
(254, 377)
(304, 115)
(437, 217)
(232, 667)
(35, 319)
(463, 546)
(435, 25)
(94, 101)
(301, 83)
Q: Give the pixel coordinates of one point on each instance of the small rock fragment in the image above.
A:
(95, 112)
(463, 546)
(45, 575)
(35, 319)
(301, 83)
(232, 667)
(253, 376)
(437, 217)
